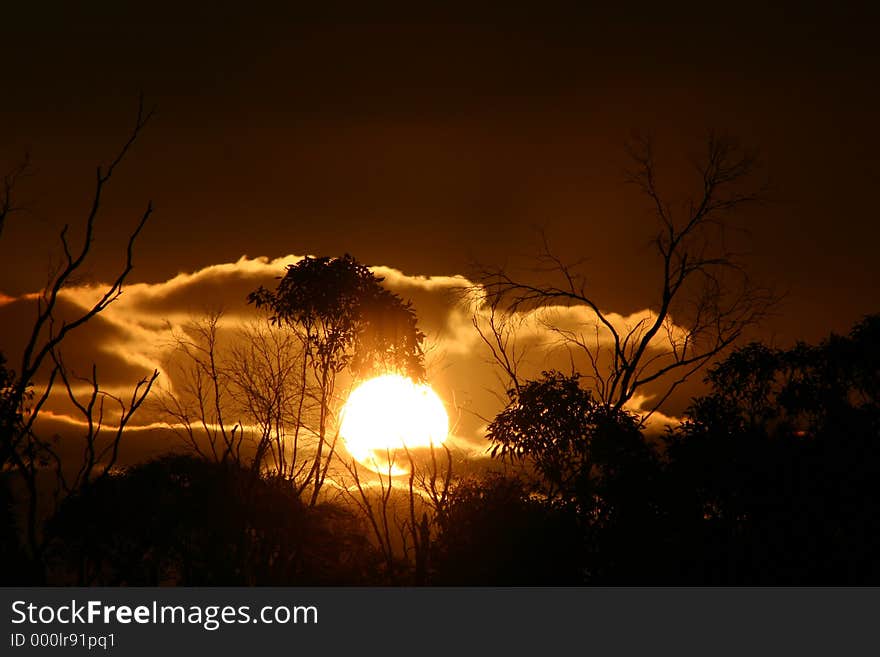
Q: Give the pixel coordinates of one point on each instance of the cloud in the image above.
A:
(136, 334)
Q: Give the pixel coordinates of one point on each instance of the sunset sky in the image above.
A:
(423, 145)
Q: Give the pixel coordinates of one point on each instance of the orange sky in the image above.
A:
(425, 143)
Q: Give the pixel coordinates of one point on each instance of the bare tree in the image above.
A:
(269, 381)
(198, 398)
(373, 500)
(498, 331)
(92, 409)
(705, 298)
(260, 376)
(431, 484)
(7, 203)
(21, 449)
(403, 509)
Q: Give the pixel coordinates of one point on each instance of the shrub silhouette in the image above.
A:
(494, 533)
(773, 475)
(185, 521)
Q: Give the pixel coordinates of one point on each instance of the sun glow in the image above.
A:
(390, 413)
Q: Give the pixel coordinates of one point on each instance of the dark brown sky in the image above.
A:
(425, 142)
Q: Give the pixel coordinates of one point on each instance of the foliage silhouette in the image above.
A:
(350, 319)
(345, 320)
(494, 533)
(774, 473)
(571, 438)
(187, 521)
(590, 459)
(771, 478)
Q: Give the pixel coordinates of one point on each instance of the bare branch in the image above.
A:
(705, 301)
(7, 191)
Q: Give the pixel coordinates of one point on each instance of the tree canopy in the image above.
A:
(348, 317)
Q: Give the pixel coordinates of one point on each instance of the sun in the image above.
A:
(391, 412)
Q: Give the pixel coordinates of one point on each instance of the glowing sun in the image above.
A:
(388, 413)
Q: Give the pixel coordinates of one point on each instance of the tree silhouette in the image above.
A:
(269, 385)
(770, 479)
(22, 450)
(705, 298)
(495, 533)
(591, 460)
(198, 399)
(203, 523)
(404, 520)
(556, 425)
(773, 474)
(98, 460)
(346, 320)
(8, 206)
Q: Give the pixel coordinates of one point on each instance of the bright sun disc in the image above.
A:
(391, 412)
